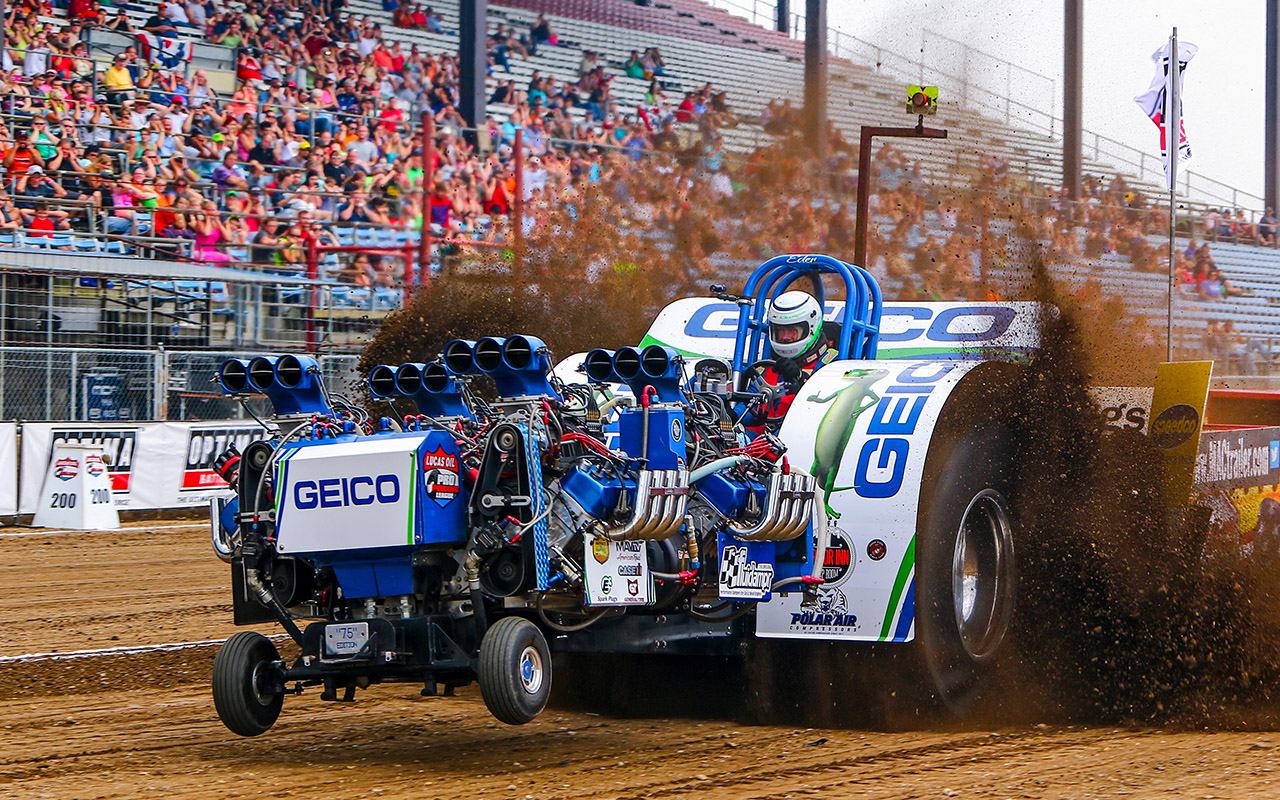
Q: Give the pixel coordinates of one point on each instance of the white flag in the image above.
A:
(1152, 101)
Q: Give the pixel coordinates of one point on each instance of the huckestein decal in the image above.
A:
(867, 425)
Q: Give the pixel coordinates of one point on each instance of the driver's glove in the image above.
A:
(789, 373)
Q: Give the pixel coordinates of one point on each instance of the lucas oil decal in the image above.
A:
(440, 476)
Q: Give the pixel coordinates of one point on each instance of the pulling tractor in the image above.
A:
(615, 502)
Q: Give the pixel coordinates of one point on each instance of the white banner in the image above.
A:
(8, 468)
(152, 464)
(1154, 102)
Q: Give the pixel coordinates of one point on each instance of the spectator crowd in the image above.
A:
(321, 133)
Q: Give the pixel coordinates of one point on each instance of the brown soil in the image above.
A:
(142, 724)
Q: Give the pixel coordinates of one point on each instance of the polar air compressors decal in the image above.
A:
(874, 423)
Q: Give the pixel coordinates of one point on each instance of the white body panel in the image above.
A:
(348, 495)
(887, 410)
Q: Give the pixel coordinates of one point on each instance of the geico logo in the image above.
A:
(337, 492)
(882, 461)
(960, 324)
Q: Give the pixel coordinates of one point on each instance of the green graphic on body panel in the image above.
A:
(847, 404)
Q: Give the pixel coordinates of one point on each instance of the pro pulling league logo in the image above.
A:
(93, 466)
(440, 474)
(64, 469)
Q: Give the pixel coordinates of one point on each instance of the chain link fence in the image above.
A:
(103, 385)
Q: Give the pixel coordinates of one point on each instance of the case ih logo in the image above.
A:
(117, 445)
(93, 466)
(206, 444)
(440, 474)
(65, 469)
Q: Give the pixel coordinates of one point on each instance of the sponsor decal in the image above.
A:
(743, 578)
(971, 325)
(839, 558)
(362, 490)
(876, 549)
(1238, 459)
(64, 469)
(677, 429)
(440, 474)
(93, 466)
(1175, 425)
(830, 612)
(1126, 417)
(204, 445)
(118, 446)
(617, 574)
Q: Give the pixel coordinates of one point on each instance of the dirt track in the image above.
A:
(142, 724)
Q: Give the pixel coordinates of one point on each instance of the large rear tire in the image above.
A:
(966, 572)
(245, 690)
(515, 670)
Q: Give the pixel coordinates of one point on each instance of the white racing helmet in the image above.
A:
(795, 324)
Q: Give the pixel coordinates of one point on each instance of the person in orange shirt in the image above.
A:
(21, 157)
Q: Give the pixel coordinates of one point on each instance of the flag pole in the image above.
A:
(1172, 142)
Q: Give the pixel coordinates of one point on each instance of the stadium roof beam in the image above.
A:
(1072, 89)
(815, 76)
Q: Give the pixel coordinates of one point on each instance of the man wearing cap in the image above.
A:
(177, 114)
(35, 187)
(159, 25)
(118, 81)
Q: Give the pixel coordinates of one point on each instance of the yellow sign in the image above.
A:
(1177, 417)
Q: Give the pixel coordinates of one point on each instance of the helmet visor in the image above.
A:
(789, 334)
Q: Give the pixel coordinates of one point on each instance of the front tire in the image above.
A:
(514, 670)
(245, 690)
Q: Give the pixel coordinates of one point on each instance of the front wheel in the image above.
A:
(515, 670)
(245, 686)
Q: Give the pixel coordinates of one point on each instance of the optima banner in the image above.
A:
(151, 464)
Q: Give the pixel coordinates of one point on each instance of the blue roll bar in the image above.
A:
(860, 327)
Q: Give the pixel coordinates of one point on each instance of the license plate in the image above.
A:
(346, 638)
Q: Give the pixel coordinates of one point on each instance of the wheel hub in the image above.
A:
(982, 573)
(531, 670)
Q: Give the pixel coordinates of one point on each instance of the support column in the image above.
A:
(782, 21)
(1271, 141)
(472, 50)
(815, 76)
(1072, 89)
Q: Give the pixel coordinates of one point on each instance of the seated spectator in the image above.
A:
(43, 222)
(540, 33)
(20, 158)
(210, 232)
(229, 175)
(36, 188)
(1267, 228)
(159, 24)
(118, 81)
(633, 67)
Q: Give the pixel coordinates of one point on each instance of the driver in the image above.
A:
(801, 343)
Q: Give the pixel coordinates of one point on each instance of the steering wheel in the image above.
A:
(753, 377)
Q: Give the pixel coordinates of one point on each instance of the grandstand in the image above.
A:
(246, 257)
